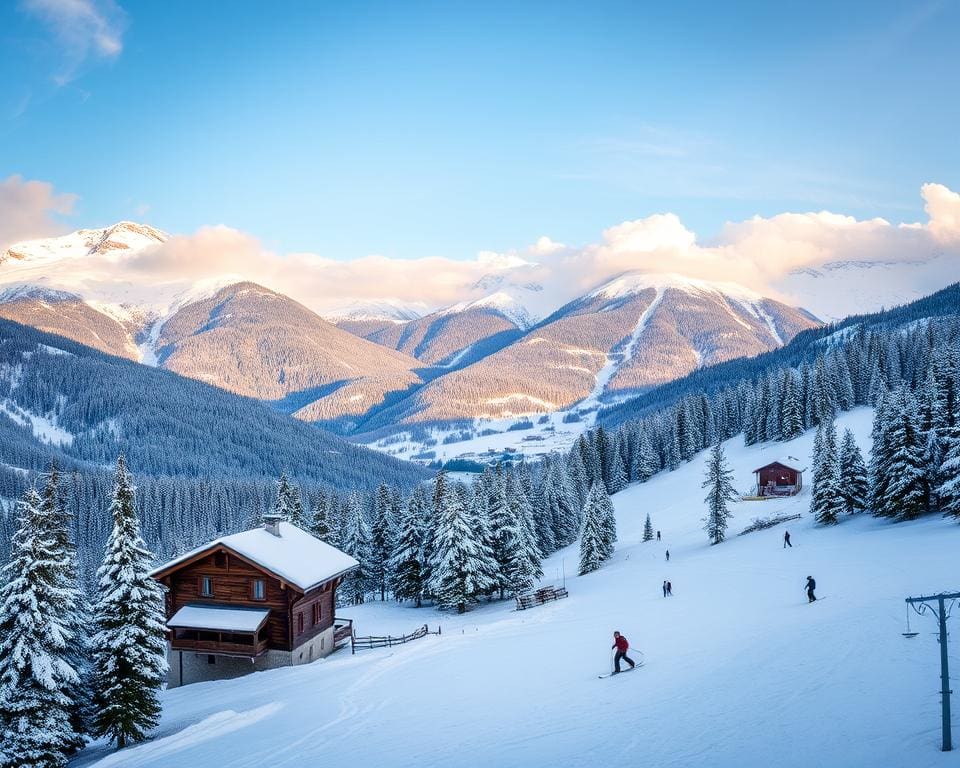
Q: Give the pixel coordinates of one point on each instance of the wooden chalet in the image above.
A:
(778, 478)
(258, 599)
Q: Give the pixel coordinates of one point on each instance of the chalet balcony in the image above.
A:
(222, 643)
(219, 629)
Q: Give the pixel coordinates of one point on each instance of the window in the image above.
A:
(259, 589)
(317, 613)
(211, 659)
(300, 622)
(206, 586)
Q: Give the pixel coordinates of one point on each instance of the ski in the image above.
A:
(623, 671)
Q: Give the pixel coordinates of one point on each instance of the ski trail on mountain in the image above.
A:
(615, 360)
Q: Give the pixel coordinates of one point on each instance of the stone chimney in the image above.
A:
(271, 523)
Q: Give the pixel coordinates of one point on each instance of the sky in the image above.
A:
(442, 130)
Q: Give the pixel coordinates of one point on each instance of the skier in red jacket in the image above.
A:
(621, 644)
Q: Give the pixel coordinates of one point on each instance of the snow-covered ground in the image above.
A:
(740, 670)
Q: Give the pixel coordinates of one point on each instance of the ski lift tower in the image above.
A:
(941, 610)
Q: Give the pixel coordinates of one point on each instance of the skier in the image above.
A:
(621, 644)
(668, 555)
(786, 540)
(664, 589)
(658, 535)
(669, 589)
(811, 585)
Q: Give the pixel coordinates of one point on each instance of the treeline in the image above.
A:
(910, 374)
(453, 544)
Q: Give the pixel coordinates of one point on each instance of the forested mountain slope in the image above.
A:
(803, 347)
(59, 399)
(632, 333)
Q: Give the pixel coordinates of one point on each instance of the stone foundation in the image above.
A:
(193, 667)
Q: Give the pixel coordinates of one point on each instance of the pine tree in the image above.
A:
(853, 475)
(719, 482)
(130, 644)
(646, 465)
(826, 502)
(949, 490)
(76, 611)
(282, 504)
(36, 678)
(381, 541)
(320, 521)
(295, 504)
(457, 578)
(898, 473)
(791, 411)
(648, 529)
(406, 565)
(593, 546)
(356, 543)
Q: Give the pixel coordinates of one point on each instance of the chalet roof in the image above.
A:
(294, 556)
(226, 618)
(790, 462)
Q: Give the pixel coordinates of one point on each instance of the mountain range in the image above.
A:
(381, 365)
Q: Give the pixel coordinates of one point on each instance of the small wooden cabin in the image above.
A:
(258, 599)
(778, 479)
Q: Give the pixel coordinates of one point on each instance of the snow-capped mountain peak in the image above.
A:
(388, 310)
(122, 237)
(501, 302)
(632, 283)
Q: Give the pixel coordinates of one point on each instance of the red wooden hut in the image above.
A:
(778, 478)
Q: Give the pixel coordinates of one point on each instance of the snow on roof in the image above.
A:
(225, 618)
(295, 556)
(790, 462)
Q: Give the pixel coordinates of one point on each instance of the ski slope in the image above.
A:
(740, 670)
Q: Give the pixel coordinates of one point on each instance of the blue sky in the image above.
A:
(440, 129)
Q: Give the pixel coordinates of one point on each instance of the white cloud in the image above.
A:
(83, 29)
(29, 209)
(790, 256)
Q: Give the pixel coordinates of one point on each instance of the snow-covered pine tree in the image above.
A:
(381, 540)
(523, 566)
(719, 482)
(932, 462)
(456, 577)
(646, 464)
(949, 490)
(608, 521)
(502, 523)
(130, 645)
(897, 465)
(648, 529)
(356, 543)
(593, 547)
(791, 410)
(295, 504)
(826, 501)
(319, 519)
(76, 610)
(281, 502)
(36, 678)
(853, 475)
(406, 573)
(487, 571)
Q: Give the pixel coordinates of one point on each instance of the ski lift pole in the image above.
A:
(922, 605)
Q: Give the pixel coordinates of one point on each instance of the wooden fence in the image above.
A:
(541, 596)
(385, 641)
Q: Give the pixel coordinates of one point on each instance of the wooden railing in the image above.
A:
(384, 641)
(541, 596)
(342, 629)
(219, 646)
